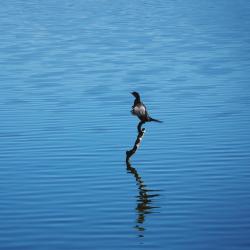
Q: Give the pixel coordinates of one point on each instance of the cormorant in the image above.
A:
(140, 110)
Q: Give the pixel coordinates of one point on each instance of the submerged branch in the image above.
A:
(144, 201)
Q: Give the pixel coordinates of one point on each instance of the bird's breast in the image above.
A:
(139, 110)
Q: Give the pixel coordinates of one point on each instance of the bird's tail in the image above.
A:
(153, 120)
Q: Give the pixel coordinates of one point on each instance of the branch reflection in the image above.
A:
(144, 201)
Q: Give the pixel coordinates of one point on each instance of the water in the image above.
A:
(67, 70)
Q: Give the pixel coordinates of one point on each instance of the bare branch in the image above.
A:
(138, 140)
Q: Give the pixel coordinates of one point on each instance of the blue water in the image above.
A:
(67, 70)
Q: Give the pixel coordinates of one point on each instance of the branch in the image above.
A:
(138, 140)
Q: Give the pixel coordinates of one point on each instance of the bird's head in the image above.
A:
(135, 94)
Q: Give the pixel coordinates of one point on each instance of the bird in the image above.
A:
(140, 110)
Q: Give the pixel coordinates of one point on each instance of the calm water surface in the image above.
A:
(67, 70)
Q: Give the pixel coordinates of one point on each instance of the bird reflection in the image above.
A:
(144, 201)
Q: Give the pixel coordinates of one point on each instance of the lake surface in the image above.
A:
(67, 70)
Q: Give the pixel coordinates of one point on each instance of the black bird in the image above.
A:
(140, 110)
